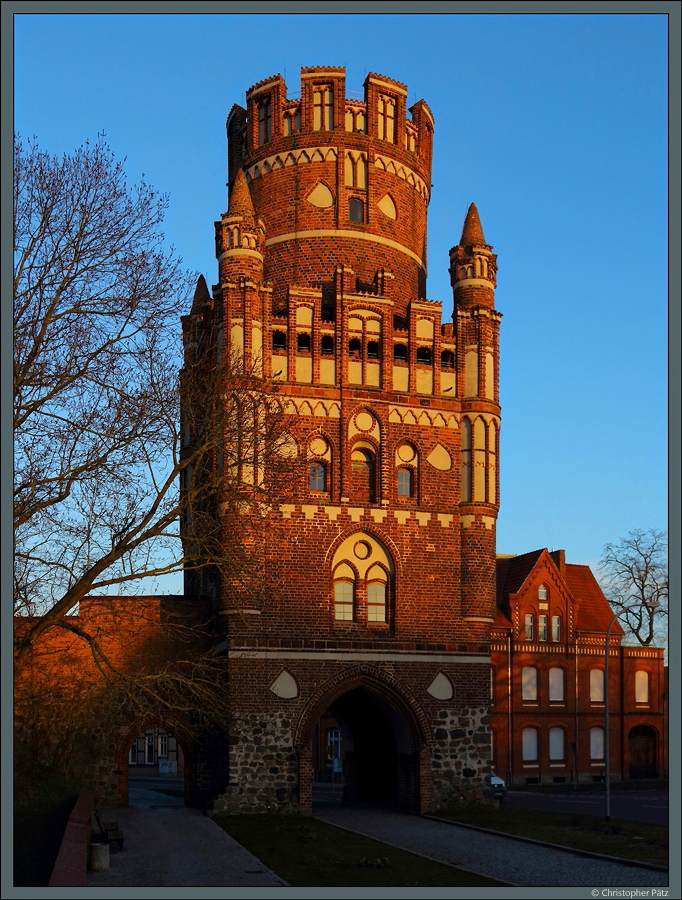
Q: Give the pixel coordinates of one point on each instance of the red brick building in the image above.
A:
(547, 710)
(381, 564)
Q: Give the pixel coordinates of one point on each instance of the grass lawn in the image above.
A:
(308, 853)
(617, 837)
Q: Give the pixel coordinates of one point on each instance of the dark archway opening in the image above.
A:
(642, 752)
(365, 753)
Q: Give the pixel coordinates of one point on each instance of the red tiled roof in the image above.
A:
(511, 573)
(594, 614)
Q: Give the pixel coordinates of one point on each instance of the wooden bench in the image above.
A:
(111, 832)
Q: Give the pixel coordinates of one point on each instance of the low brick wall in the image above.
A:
(72, 859)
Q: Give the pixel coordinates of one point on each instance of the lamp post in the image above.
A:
(651, 605)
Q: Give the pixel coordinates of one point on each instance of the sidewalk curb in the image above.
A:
(574, 850)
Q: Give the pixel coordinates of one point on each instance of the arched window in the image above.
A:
(356, 210)
(529, 743)
(596, 743)
(372, 350)
(405, 482)
(556, 743)
(641, 686)
(355, 348)
(344, 593)
(447, 359)
(529, 627)
(386, 118)
(317, 475)
(556, 684)
(556, 629)
(279, 342)
(303, 343)
(424, 356)
(400, 352)
(327, 344)
(377, 594)
(363, 470)
(597, 685)
(542, 594)
(529, 683)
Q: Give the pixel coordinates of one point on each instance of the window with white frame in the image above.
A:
(542, 628)
(529, 627)
(542, 594)
(596, 743)
(556, 684)
(556, 743)
(556, 629)
(596, 685)
(333, 744)
(529, 683)
(344, 593)
(377, 594)
(163, 745)
(529, 744)
(641, 686)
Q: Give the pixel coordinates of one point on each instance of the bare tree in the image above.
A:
(634, 574)
(99, 453)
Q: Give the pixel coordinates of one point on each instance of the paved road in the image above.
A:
(639, 806)
(500, 858)
(168, 845)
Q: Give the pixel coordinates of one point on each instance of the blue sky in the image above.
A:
(554, 125)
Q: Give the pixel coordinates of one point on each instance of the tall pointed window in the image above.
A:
(466, 461)
(323, 108)
(386, 118)
(363, 469)
(344, 593)
(377, 594)
(264, 121)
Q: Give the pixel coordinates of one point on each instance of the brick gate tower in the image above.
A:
(381, 563)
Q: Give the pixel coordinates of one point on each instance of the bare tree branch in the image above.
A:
(634, 574)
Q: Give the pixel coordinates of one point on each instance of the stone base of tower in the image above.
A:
(360, 727)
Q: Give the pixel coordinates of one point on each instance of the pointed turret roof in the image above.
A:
(472, 233)
(201, 294)
(240, 197)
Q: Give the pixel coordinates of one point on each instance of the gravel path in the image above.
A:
(496, 857)
(172, 847)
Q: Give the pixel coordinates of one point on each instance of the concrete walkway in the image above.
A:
(170, 846)
(501, 858)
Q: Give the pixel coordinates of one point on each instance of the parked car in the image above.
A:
(498, 786)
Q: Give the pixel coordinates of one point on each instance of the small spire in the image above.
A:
(201, 294)
(240, 197)
(472, 233)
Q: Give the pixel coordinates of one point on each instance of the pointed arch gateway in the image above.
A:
(384, 741)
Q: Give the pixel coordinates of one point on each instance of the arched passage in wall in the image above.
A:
(374, 727)
(642, 752)
(155, 751)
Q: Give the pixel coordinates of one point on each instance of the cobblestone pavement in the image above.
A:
(503, 859)
(167, 846)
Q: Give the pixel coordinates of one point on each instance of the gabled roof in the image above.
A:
(512, 572)
(592, 611)
(595, 614)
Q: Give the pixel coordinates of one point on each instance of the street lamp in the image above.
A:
(652, 605)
